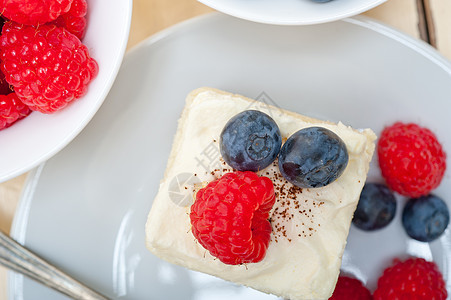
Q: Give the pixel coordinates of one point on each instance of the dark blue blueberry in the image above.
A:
(376, 207)
(313, 157)
(425, 218)
(250, 141)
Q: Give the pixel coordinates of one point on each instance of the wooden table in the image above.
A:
(429, 20)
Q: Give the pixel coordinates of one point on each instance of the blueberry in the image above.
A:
(313, 157)
(376, 207)
(425, 218)
(250, 141)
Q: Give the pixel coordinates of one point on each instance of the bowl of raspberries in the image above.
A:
(58, 60)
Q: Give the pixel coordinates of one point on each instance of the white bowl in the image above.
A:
(292, 12)
(38, 137)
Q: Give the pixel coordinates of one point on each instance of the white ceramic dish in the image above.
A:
(85, 209)
(292, 12)
(36, 138)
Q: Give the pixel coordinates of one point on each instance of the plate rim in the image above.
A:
(20, 220)
(343, 15)
(413, 43)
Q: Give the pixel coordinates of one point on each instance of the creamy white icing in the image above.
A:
(310, 226)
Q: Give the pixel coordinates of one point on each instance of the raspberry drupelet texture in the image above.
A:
(33, 12)
(11, 110)
(414, 278)
(47, 66)
(74, 20)
(348, 288)
(230, 217)
(411, 159)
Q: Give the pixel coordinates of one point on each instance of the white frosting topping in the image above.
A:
(310, 226)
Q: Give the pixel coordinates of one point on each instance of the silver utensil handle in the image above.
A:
(17, 258)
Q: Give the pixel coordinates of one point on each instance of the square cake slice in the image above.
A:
(309, 225)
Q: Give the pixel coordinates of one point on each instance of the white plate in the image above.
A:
(85, 209)
(38, 137)
(292, 12)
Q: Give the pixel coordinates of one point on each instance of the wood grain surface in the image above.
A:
(440, 11)
(429, 20)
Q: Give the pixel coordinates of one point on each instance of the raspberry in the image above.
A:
(348, 288)
(11, 110)
(74, 20)
(414, 278)
(33, 12)
(411, 159)
(47, 66)
(230, 217)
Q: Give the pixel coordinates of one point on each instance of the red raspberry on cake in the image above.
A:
(230, 215)
(47, 66)
(348, 288)
(11, 110)
(74, 20)
(411, 159)
(33, 12)
(414, 278)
